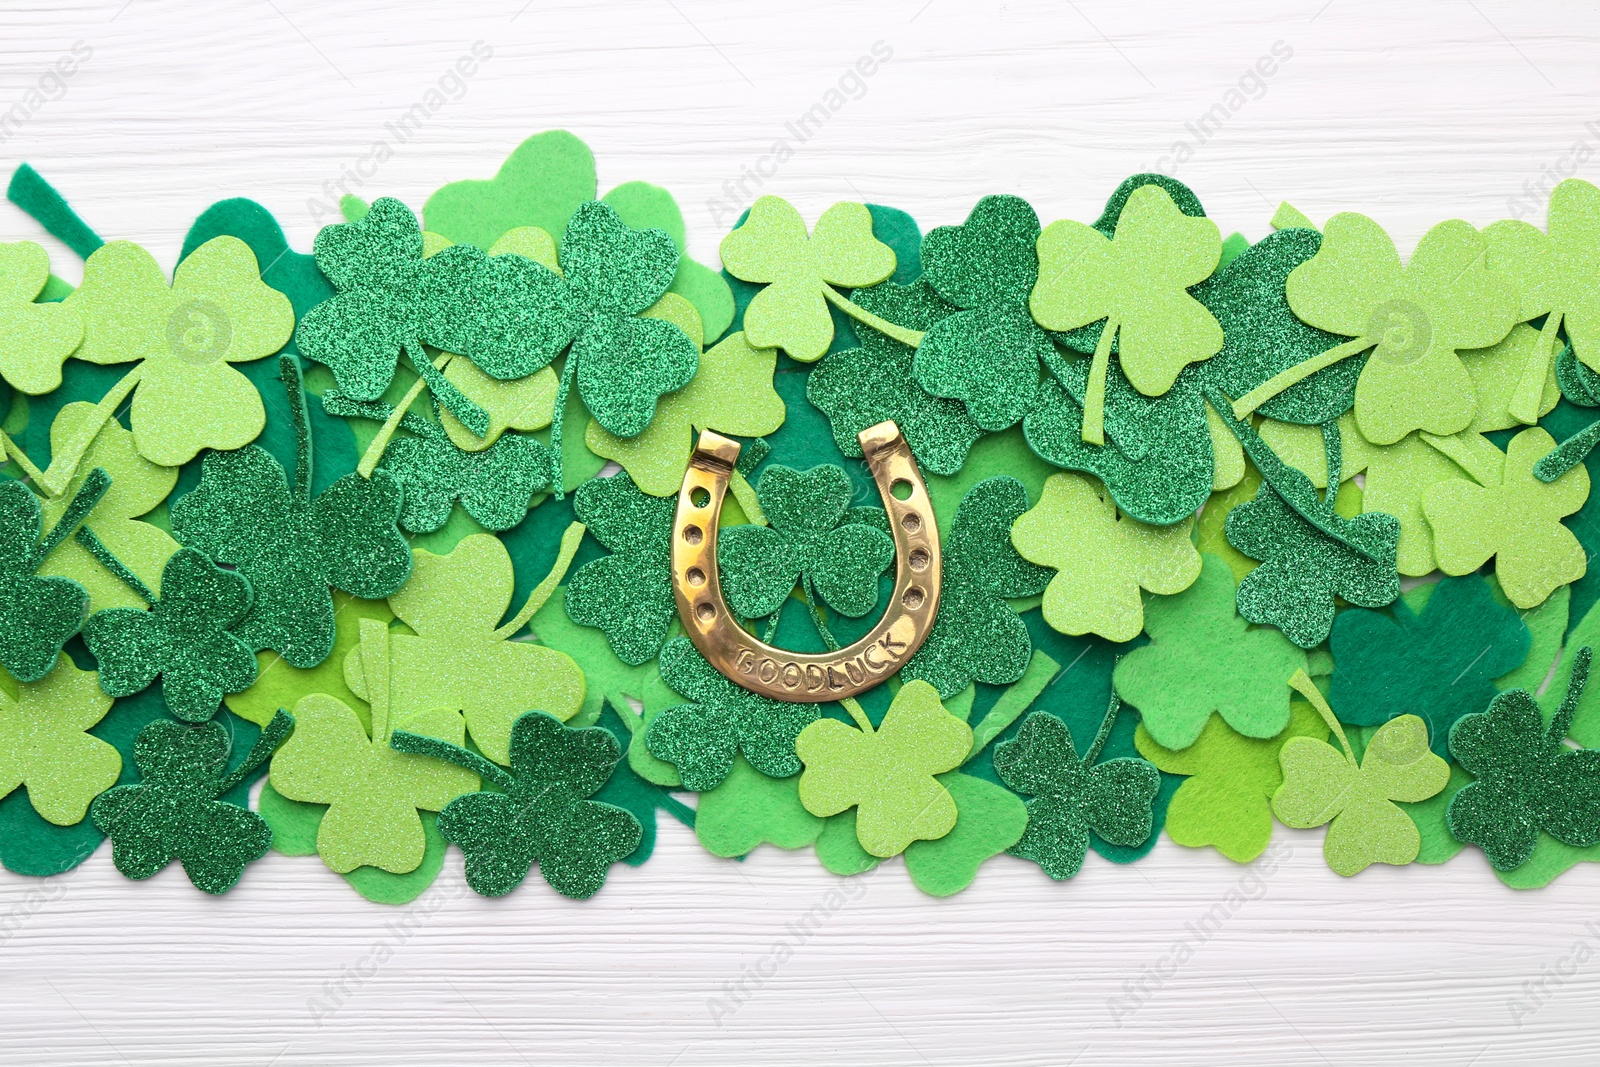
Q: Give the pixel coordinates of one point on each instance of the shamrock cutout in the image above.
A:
(290, 546)
(861, 387)
(990, 819)
(1527, 779)
(1439, 664)
(976, 636)
(1203, 658)
(38, 615)
(541, 812)
(1101, 560)
(725, 719)
(810, 540)
(44, 743)
(748, 809)
(987, 354)
(1137, 284)
(644, 206)
(184, 637)
(373, 791)
(771, 247)
(35, 339)
(1072, 796)
(174, 812)
(1517, 522)
(627, 594)
(1355, 798)
(886, 774)
(278, 685)
(457, 657)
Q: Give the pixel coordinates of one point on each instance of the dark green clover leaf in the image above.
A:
(1072, 796)
(627, 594)
(1527, 779)
(541, 812)
(988, 353)
(811, 539)
(977, 637)
(184, 638)
(861, 387)
(174, 814)
(494, 485)
(38, 615)
(702, 738)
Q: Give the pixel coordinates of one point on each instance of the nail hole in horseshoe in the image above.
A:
(692, 534)
(911, 522)
(705, 612)
(699, 496)
(697, 577)
(919, 559)
(901, 489)
(912, 598)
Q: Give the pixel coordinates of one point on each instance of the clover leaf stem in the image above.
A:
(1104, 732)
(558, 475)
(1568, 454)
(417, 745)
(374, 452)
(1569, 706)
(1333, 458)
(1301, 683)
(64, 465)
(1473, 453)
(272, 735)
(816, 614)
(570, 540)
(83, 501)
(1094, 396)
(1298, 373)
(1016, 699)
(10, 448)
(289, 370)
(1524, 406)
(107, 559)
(858, 713)
(913, 338)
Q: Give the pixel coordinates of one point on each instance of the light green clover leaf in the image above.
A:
(35, 339)
(44, 743)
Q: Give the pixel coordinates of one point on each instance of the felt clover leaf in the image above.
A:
(1517, 522)
(541, 812)
(990, 819)
(38, 615)
(809, 541)
(1073, 795)
(702, 738)
(174, 812)
(1439, 664)
(977, 637)
(747, 809)
(771, 247)
(184, 637)
(988, 353)
(1355, 798)
(1101, 560)
(35, 339)
(1527, 779)
(886, 774)
(627, 594)
(1137, 284)
(44, 743)
(1203, 658)
(292, 547)
(373, 791)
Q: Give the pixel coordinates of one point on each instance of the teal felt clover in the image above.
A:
(38, 615)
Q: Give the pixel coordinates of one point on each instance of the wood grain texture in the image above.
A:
(1410, 112)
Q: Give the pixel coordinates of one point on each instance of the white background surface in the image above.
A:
(1411, 112)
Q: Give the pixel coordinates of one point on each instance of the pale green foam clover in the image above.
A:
(459, 657)
(1355, 798)
(799, 271)
(35, 339)
(886, 774)
(44, 743)
(373, 791)
(186, 395)
(279, 684)
(1137, 282)
(1515, 519)
(1416, 318)
(1102, 559)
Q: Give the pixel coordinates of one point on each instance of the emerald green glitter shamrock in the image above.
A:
(1527, 779)
(35, 339)
(184, 638)
(627, 594)
(174, 814)
(291, 547)
(702, 738)
(976, 636)
(38, 615)
(541, 812)
(988, 353)
(1073, 795)
(861, 387)
(810, 541)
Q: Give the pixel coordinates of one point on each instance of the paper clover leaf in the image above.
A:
(809, 540)
(1101, 560)
(1203, 658)
(627, 594)
(1517, 522)
(771, 247)
(174, 814)
(725, 719)
(38, 615)
(887, 774)
(35, 339)
(1073, 795)
(216, 312)
(185, 638)
(977, 637)
(45, 746)
(1527, 779)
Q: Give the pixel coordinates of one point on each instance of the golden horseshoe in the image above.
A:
(795, 676)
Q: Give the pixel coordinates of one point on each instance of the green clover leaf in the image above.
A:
(280, 685)
(495, 485)
(627, 594)
(38, 615)
(748, 809)
(990, 819)
(45, 744)
(35, 339)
